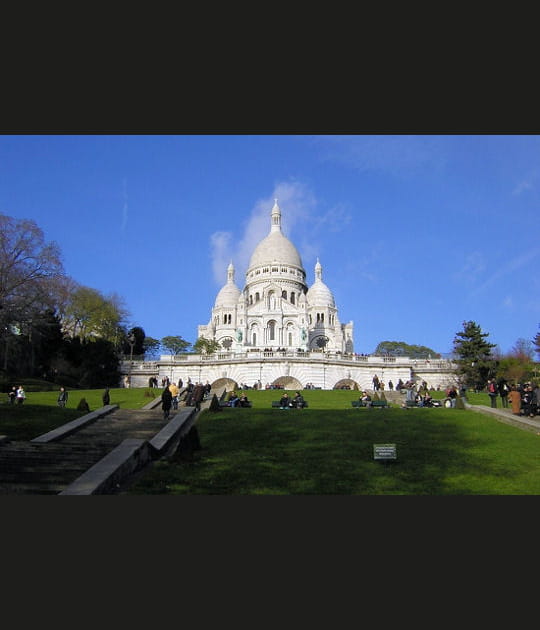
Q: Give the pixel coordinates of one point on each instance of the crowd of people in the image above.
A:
(17, 395)
(522, 398)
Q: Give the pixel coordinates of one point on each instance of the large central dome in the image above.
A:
(275, 248)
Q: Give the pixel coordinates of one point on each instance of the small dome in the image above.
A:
(318, 293)
(229, 294)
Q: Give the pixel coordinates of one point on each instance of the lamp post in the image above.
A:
(131, 341)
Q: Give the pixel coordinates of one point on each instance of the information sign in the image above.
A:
(384, 451)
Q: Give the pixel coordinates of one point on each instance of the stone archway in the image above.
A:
(224, 383)
(346, 383)
(288, 382)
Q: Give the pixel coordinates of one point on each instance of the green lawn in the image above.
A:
(328, 449)
(325, 449)
(40, 413)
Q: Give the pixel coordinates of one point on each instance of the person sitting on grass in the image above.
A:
(285, 401)
(233, 399)
(298, 401)
(243, 400)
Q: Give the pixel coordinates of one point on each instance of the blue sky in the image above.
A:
(415, 234)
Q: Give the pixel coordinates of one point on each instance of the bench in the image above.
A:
(374, 403)
(225, 403)
(276, 404)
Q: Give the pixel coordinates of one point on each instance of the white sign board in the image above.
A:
(384, 451)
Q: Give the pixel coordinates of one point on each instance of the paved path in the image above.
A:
(505, 415)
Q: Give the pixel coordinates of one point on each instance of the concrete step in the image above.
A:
(49, 467)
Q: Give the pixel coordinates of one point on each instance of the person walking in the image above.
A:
(166, 402)
(62, 397)
(493, 392)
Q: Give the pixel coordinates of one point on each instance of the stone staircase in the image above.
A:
(48, 468)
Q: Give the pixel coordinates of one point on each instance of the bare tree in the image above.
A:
(27, 267)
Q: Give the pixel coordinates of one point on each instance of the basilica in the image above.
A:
(280, 331)
(276, 308)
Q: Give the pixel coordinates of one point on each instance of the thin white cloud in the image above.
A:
(528, 182)
(522, 186)
(472, 269)
(513, 265)
(221, 247)
(396, 154)
(296, 202)
(335, 220)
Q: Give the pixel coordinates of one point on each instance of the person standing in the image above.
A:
(12, 395)
(493, 392)
(62, 397)
(526, 401)
(504, 390)
(21, 395)
(175, 391)
(452, 395)
(166, 402)
(536, 400)
(106, 397)
(514, 398)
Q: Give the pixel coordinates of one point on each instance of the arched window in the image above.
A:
(271, 330)
(290, 338)
(251, 299)
(257, 297)
(292, 297)
(284, 295)
(254, 339)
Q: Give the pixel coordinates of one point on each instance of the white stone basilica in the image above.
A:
(276, 309)
(278, 332)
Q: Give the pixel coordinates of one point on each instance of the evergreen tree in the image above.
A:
(474, 357)
(536, 342)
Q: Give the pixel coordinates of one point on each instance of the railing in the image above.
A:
(265, 355)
